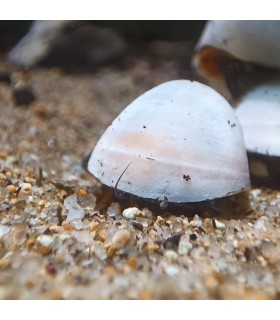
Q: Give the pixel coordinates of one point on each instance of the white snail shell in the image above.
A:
(256, 42)
(259, 115)
(179, 142)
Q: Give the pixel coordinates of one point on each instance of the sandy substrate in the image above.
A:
(228, 250)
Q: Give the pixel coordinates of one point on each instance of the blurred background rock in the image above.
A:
(83, 46)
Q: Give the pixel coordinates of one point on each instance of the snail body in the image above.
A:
(178, 142)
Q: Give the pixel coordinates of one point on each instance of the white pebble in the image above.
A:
(25, 187)
(114, 209)
(121, 239)
(260, 225)
(171, 270)
(131, 213)
(219, 225)
(255, 193)
(235, 244)
(4, 230)
(84, 236)
(45, 241)
(196, 222)
(184, 246)
(171, 255)
(77, 224)
(74, 209)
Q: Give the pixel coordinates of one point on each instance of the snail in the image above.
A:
(236, 56)
(241, 60)
(178, 142)
(259, 115)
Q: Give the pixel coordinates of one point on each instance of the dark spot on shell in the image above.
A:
(187, 177)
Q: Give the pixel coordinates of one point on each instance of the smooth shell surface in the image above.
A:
(259, 115)
(179, 142)
(251, 41)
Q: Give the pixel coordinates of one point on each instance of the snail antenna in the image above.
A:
(118, 193)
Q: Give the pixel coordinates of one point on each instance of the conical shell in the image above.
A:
(259, 115)
(179, 141)
(250, 41)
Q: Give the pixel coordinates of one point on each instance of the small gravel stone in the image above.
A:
(93, 225)
(42, 203)
(23, 95)
(25, 188)
(4, 264)
(131, 213)
(132, 262)
(171, 270)
(184, 245)
(77, 224)
(84, 236)
(45, 240)
(260, 225)
(255, 193)
(4, 230)
(185, 222)
(86, 201)
(74, 209)
(137, 225)
(99, 250)
(11, 188)
(67, 226)
(193, 236)
(120, 239)
(114, 209)
(218, 225)
(172, 242)
(148, 213)
(196, 222)
(171, 255)
(2, 176)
